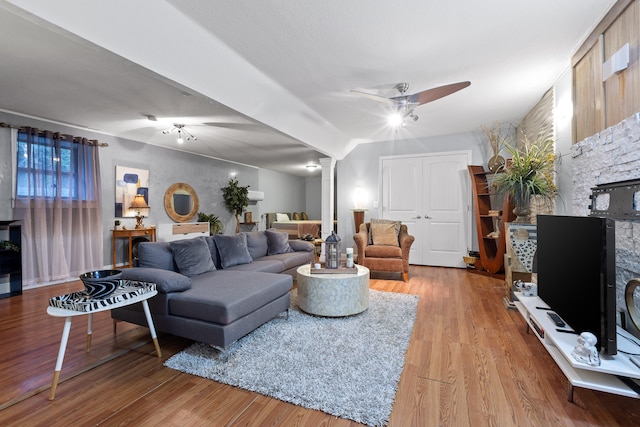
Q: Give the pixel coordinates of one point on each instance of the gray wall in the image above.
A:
(282, 193)
(313, 202)
(206, 175)
(6, 211)
(361, 168)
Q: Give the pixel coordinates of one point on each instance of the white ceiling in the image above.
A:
(267, 83)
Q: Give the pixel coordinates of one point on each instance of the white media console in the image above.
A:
(605, 377)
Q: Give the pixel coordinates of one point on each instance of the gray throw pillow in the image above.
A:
(233, 249)
(166, 281)
(192, 256)
(278, 242)
(257, 244)
(155, 255)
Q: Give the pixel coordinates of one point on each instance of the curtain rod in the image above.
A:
(93, 141)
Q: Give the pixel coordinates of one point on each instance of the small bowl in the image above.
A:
(101, 283)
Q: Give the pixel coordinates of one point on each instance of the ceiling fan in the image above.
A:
(403, 104)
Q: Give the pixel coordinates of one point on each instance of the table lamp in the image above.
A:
(139, 204)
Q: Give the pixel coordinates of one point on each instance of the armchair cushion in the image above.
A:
(396, 225)
(384, 234)
(380, 251)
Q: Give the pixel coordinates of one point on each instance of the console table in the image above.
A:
(560, 344)
(79, 303)
(150, 233)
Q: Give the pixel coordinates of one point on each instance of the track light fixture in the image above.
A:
(183, 134)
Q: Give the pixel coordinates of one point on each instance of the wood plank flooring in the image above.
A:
(470, 362)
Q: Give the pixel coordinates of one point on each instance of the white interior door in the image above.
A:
(430, 194)
(402, 197)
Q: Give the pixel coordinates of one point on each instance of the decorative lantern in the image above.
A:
(332, 247)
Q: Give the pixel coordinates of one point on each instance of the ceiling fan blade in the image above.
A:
(374, 97)
(430, 95)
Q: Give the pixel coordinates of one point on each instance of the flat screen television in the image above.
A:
(576, 269)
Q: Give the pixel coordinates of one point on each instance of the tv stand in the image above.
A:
(606, 377)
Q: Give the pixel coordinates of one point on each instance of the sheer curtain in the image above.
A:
(58, 202)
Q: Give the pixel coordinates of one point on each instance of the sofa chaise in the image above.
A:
(217, 289)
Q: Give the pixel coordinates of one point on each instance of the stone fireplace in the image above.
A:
(610, 156)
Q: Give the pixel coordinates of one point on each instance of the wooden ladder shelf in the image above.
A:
(491, 249)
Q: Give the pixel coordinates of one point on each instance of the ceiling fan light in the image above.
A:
(395, 120)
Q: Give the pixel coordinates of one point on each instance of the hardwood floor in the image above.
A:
(470, 362)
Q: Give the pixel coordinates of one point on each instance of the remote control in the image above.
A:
(558, 321)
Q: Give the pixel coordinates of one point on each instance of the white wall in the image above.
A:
(361, 168)
(563, 106)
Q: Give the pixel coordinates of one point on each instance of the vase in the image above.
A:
(496, 163)
(523, 214)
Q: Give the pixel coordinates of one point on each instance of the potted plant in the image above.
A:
(6, 245)
(528, 173)
(236, 197)
(215, 225)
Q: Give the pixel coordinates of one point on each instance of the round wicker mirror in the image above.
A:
(181, 202)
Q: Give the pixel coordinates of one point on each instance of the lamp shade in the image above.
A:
(138, 202)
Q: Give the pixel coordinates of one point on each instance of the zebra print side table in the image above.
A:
(79, 303)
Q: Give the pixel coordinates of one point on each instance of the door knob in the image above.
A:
(427, 217)
(417, 217)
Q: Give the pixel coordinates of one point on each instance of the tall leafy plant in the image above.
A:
(530, 172)
(236, 197)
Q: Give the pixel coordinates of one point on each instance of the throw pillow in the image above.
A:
(278, 242)
(257, 244)
(192, 256)
(282, 217)
(166, 281)
(384, 234)
(233, 249)
(156, 255)
(383, 221)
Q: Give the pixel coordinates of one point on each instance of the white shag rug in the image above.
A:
(348, 367)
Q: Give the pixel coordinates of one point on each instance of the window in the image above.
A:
(48, 166)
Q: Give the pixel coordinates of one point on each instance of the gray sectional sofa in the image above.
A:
(219, 288)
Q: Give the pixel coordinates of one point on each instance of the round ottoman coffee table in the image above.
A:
(333, 295)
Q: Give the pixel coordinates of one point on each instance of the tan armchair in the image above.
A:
(384, 257)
